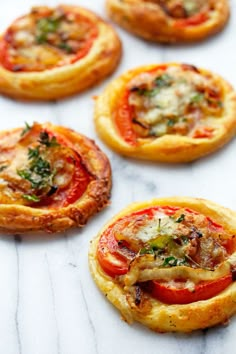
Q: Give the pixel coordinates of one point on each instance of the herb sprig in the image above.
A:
(26, 129)
(39, 171)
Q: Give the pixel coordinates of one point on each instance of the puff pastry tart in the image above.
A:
(170, 21)
(55, 52)
(166, 112)
(51, 179)
(169, 263)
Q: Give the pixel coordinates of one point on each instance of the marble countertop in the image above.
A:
(49, 303)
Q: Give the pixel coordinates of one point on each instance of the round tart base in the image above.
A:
(60, 82)
(163, 317)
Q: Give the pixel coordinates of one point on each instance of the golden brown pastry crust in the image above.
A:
(148, 20)
(20, 218)
(167, 148)
(66, 80)
(163, 317)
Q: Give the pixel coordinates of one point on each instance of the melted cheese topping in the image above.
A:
(35, 173)
(175, 101)
(46, 38)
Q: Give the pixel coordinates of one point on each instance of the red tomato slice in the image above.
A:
(203, 132)
(79, 183)
(203, 291)
(195, 20)
(80, 180)
(123, 120)
(111, 262)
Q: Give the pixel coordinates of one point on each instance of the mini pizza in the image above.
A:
(51, 53)
(170, 21)
(169, 263)
(166, 112)
(51, 179)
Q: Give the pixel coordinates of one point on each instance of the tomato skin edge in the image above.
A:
(194, 20)
(183, 296)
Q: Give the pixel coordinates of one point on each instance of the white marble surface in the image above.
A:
(48, 301)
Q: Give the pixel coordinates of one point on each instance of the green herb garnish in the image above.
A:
(181, 218)
(173, 261)
(151, 93)
(185, 240)
(39, 172)
(44, 27)
(31, 198)
(66, 47)
(26, 129)
(44, 139)
(163, 81)
(2, 168)
(32, 153)
(146, 250)
(170, 122)
(197, 98)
